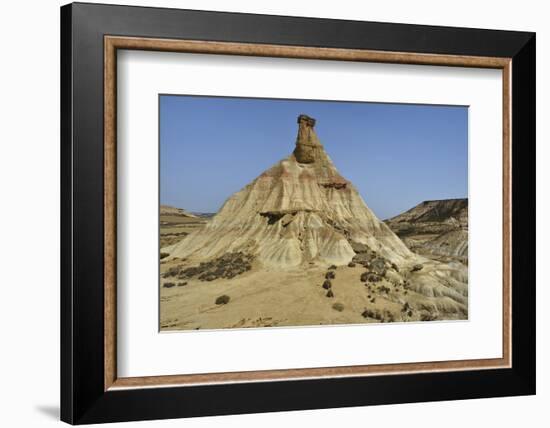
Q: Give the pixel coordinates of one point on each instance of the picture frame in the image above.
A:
(91, 390)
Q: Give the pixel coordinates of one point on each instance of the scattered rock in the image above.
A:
(384, 289)
(182, 284)
(222, 300)
(338, 307)
(333, 267)
(351, 264)
(394, 267)
(330, 293)
(163, 255)
(168, 285)
(330, 275)
(327, 284)
(369, 313)
(359, 248)
(416, 268)
(378, 266)
(385, 316)
(370, 277)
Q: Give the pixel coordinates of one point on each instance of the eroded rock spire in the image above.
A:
(307, 143)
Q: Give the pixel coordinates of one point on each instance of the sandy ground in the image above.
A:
(262, 298)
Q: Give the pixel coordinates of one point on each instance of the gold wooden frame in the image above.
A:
(113, 43)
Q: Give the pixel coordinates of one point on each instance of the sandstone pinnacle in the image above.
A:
(307, 143)
(299, 211)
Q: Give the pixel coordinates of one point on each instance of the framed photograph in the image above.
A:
(265, 213)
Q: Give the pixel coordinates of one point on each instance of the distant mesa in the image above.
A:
(169, 210)
(203, 215)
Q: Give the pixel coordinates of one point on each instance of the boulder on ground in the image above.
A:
(416, 268)
(338, 307)
(222, 300)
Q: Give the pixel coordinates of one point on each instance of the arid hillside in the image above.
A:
(437, 229)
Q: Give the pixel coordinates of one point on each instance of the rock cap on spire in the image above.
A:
(307, 142)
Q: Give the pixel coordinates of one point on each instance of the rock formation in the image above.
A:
(300, 211)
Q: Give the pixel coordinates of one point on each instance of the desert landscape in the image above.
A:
(299, 246)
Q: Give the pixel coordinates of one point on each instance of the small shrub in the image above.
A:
(327, 284)
(330, 293)
(173, 271)
(330, 275)
(163, 255)
(351, 264)
(222, 300)
(168, 285)
(182, 284)
(332, 267)
(338, 307)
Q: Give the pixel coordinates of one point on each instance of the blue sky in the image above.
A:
(397, 155)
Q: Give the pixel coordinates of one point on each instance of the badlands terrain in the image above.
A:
(299, 246)
(436, 229)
